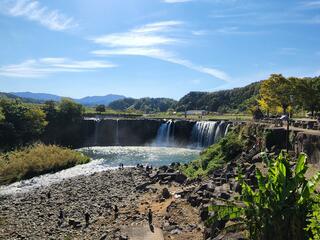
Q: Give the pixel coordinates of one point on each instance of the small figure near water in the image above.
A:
(150, 216)
(87, 218)
(121, 166)
(116, 211)
(60, 217)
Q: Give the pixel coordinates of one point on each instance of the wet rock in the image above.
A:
(194, 200)
(143, 186)
(237, 187)
(204, 213)
(225, 196)
(176, 231)
(165, 193)
(74, 223)
(103, 237)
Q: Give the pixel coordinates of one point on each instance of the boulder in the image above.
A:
(143, 186)
(165, 193)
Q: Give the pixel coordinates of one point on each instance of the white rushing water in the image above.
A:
(106, 158)
(165, 134)
(206, 133)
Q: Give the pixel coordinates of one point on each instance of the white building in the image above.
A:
(196, 112)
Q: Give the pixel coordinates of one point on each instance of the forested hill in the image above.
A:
(26, 100)
(146, 105)
(220, 101)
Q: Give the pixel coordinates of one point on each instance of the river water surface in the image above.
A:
(106, 158)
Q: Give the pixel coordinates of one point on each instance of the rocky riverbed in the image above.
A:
(114, 204)
(105, 205)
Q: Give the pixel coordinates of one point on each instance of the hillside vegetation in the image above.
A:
(221, 101)
(36, 160)
(147, 105)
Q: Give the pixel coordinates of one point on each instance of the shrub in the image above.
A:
(281, 206)
(215, 156)
(36, 160)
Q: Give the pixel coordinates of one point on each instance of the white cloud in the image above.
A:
(164, 56)
(311, 4)
(34, 11)
(149, 41)
(133, 40)
(35, 68)
(288, 51)
(199, 32)
(145, 36)
(157, 26)
(176, 1)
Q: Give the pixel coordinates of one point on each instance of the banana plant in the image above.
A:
(280, 205)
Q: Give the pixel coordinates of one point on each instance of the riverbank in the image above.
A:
(58, 211)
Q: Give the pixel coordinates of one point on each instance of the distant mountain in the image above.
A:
(23, 99)
(38, 96)
(88, 101)
(96, 100)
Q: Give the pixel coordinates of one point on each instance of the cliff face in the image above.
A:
(310, 144)
(127, 132)
(299, 141)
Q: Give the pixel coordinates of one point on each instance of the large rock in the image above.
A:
(309, 144)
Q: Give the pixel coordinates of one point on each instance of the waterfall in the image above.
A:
(117, 132)
(219, 132)
(165, 134)
(96, 131)
(227, 129)
(206, 133)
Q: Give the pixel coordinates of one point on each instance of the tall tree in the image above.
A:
(101, 108)
(277, 91)
(307, 92)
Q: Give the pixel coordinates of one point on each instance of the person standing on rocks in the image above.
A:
(150, 217)
(60, 217)
(116, 211)
(87, 218)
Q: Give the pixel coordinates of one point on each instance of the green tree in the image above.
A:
(277, 91)
(70, 111)
(2, 117)
(101, 108)
(23, 123)
(307, 93)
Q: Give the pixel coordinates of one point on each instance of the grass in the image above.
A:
(229, 116)
(215, 156)
(36, 160)
(90, 111)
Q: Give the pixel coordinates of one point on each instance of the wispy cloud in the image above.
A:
(164, 56)
(199, 32)
(35, 68)
(176, 1)
(144, 36)
(34, 11)
(311, 4)
(149, 41)
(288, 51)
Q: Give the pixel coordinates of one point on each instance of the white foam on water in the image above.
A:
(106, 158)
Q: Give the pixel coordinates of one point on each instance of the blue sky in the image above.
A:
(155, 48)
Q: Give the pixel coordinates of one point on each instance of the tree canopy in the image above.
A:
(21, 123)
(222, 101)
(279, 92)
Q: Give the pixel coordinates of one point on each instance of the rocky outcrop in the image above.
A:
(310, 144)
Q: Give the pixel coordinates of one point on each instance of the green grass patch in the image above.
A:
(36, 160)
(215, 156)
